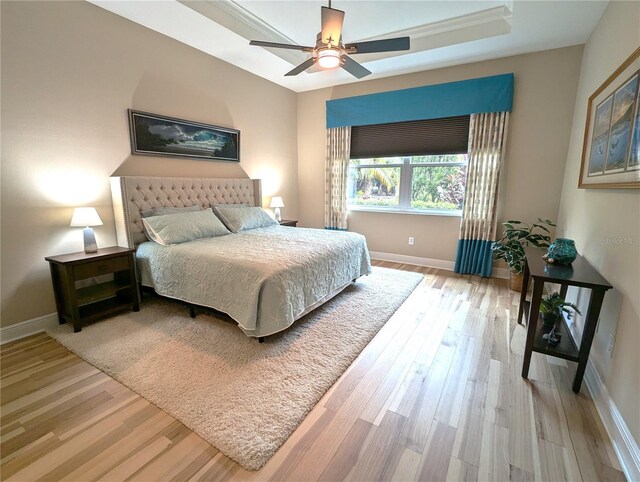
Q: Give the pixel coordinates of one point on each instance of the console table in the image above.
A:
(579, 273)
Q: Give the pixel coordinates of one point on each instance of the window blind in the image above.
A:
(449, 135)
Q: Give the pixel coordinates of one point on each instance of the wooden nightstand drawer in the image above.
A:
(103, 266)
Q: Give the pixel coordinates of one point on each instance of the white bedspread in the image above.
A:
(264, 278)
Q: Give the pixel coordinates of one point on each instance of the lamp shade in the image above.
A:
(276, 202)
(85, 217)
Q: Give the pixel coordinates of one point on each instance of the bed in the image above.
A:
(264, 279)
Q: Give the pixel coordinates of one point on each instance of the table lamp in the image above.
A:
(276, 202)
(87, 217)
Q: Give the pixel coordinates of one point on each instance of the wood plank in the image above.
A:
(348, 453)
(421, 416)
(127, 469)
(450, 404)
(28, 454)
(552, 461)
(381, 456)
(516, 474)
(96, 467)
(546, 413)
(196, 464)
(58, 456)
(220, 469)
(178, 457)
(17, 403)
(494, 454)
(438, 456)
(469, 433)
(460, 471)
(521, 422)
(407, 466)
(36, 430)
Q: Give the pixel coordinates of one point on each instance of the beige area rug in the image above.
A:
(243, 397)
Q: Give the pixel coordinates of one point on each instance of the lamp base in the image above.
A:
(277, 214)
(90, 245)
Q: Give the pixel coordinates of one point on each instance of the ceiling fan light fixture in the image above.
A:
(329, 52)
(329, 58)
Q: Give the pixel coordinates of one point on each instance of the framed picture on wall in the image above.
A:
(611, 148)
(154, 135)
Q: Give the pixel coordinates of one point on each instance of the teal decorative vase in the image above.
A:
(562, 251)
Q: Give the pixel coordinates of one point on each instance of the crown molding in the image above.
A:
(465, 28)
(241, 21)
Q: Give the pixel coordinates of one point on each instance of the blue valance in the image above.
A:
(486, 94)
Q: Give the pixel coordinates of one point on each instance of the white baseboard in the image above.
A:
(27, 328)
(625, 446)
(415, 260)
(428, 262)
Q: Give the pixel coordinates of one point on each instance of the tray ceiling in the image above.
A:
(443, 33)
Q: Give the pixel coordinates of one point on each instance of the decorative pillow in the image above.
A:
(182, 227)
(239, 205)
(243, 218)
(169, 210)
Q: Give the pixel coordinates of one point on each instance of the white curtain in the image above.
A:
(336, 176)
(487, 141)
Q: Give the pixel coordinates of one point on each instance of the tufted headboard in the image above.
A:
(132, 194)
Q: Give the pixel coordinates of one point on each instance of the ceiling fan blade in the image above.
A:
(302, 67)
(354, 68)
(385, 45)
(275, 45)
(332, 20)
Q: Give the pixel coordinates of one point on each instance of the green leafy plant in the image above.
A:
(517, 235)
(552, 306)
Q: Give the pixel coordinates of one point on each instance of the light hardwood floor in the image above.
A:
(437, 395)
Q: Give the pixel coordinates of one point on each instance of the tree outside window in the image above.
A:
(421, 183)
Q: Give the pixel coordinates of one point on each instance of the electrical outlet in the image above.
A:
(610, 344)
(411, 240)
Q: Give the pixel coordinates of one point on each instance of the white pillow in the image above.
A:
(182, 227)
(240, 218)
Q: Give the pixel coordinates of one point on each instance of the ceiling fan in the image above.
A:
(330, 52)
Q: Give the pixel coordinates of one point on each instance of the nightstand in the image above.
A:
(288, 222)
(90, 286)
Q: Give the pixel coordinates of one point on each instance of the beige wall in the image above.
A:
(70, 71)
(591, 216)
(545, 86)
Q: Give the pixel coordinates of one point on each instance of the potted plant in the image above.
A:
(510, 247)
(551, 308)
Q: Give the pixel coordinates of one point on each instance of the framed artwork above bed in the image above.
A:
(611, 148)
(155, 135)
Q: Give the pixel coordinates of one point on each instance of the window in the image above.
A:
(409, 166)
(422, 183)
